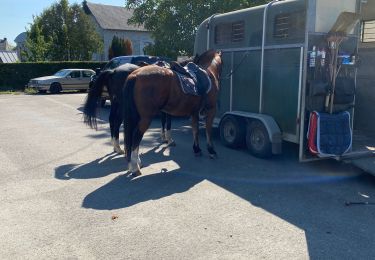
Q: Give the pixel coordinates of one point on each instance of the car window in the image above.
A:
(87, 73)
(75, 74)
(112, 64)
(147, 59)
(61, 73)
(124, 60)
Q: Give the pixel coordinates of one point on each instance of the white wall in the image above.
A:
(327, 11)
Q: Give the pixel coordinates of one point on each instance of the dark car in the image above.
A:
(118, 61)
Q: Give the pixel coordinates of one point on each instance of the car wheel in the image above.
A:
(232, 131)
(55, 88)
(257, 139)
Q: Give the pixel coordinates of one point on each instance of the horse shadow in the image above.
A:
(125, 191)
(101, 167)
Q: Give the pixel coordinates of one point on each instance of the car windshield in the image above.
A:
(61, 73)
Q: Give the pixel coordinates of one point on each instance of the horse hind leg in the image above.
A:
(115, 123)
(135, 163)
(209, 121)
(168, 133)
(194, 124)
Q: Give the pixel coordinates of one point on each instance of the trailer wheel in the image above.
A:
(232, 131)
(257, 139)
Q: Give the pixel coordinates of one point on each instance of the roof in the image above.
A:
(112, 17)
(20, 38)
(8, 56)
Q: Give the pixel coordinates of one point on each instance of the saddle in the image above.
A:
(193, 80)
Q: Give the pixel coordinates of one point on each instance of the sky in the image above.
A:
(16, 15)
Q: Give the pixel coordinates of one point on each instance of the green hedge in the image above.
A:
(14, 76)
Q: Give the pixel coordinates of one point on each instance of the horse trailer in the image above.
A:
(287, 59)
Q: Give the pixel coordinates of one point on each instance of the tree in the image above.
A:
(62, 32)
(173, 24)
(120, 47)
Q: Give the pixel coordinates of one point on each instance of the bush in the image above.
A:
(14, 76)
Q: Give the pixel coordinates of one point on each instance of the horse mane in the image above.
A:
(205, 58)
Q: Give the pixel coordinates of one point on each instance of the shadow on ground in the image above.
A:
(309, 196)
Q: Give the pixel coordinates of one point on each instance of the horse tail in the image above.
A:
(131, 116)
(93, 98)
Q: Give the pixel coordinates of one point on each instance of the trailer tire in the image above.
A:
(257, 139)
(232, 131)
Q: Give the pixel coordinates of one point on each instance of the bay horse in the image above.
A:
(114, 81)
(151, 89)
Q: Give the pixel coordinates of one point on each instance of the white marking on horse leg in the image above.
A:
(116, 146)
(168, 136)
(134, 159)
(163, 136)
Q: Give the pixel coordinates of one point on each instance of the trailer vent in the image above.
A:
(238, 31)
(230, 32)
(368, 31)
(290, 25)
(281, 26)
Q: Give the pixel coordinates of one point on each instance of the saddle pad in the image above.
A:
(329, 134)
(334, 134)
(188, 86)
(198, 84)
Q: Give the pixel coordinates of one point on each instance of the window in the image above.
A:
(230, 32)
(368, 31)
(87, 73)
(75, 74)
(289, 25)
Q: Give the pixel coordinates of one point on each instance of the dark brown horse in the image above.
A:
(114, 81)
(152, 89)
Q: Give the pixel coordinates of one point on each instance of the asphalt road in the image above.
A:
(64, 194)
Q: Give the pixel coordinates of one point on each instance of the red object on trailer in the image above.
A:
(311, 133)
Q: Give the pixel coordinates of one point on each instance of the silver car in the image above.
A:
(66, 79)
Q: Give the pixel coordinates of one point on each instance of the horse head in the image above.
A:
(210, 60)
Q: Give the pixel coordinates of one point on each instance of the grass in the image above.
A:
(28, 91)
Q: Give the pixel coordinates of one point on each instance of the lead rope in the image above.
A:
(238, 65)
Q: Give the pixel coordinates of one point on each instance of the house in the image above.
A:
(20, 41)
(113, 20)
(4, 46)
(8, 56)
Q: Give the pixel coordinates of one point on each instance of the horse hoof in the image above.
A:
(136, 173)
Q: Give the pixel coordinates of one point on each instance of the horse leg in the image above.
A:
(209, 121)
(194, 125)
(135, 161)
(168, 133)
(115, 123)
(112, 123)
(163, 118)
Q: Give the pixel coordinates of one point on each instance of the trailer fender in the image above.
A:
(273, 129)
